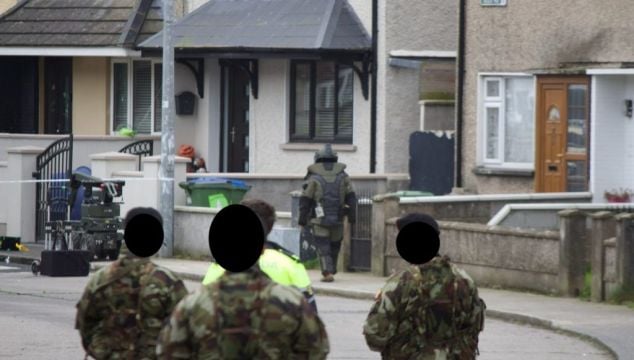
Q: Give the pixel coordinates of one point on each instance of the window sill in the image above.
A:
(317, 146)
(498, 171)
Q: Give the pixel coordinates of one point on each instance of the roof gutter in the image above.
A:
(373, 94)
(459, 93)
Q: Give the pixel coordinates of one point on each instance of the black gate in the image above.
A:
(361, 237)
(141, 148)
(54, 166)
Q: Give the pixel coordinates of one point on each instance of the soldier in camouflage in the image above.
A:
(429, 311)
(125, 304)
(243, 315)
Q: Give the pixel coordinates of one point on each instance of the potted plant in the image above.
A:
(618, 196)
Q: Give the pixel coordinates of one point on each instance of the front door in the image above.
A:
(235, 135)
(562, 134)
(58, 95)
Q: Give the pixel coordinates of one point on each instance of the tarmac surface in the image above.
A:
(610, 327)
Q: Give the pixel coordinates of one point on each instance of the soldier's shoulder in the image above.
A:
(461, 273)
(397, 281)
(198, 301)
(287, 295)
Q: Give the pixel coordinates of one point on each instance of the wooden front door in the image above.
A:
(236, 118)
(562, 134)
(58, 95)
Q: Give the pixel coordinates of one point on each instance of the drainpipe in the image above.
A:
(459, 93)
(375, 40)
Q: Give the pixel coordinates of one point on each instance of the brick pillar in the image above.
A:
(572, 249)
(383, 207)
(602, 228)
(625, 250)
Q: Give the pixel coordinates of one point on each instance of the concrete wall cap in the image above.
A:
(196, 209)
(79, 137)
(249, 176)
(610, 242)
(383, 197)
(570, 213)
(131, 174)
(26, 150)
(157, 159)
(4, 163)
(204, 210)
(113, 155)
(624, 216)
(602, 215)
(386, 176)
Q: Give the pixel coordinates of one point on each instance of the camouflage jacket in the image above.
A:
(431, 311)
(124, 306)
(244, 316)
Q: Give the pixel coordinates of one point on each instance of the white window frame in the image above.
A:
(130, 63)
(485, 102)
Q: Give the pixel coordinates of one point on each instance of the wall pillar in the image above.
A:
(384, 207)
(625, 250)
(602, 228)
(151, 166)
(572, 249)
(104, 164)
(21, 196)
(343, 262)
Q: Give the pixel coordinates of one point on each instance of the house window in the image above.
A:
(136, 95)
(321, 102)
(508, 121)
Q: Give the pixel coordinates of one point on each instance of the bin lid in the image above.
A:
(206, 180)
(217, 180)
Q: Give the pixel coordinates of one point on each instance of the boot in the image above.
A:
(327, 277)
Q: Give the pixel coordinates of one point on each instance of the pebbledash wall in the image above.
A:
(547, 261)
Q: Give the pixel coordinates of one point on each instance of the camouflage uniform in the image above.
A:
(244, 316)
(427, 312)
(124, 306)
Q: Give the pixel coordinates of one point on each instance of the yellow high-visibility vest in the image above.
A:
(281, 268)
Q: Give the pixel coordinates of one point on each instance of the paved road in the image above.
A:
(37, 316)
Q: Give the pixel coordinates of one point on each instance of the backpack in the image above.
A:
(331, 200)
(447, 311)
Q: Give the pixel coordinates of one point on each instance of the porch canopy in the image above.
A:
(78, 27)
(253, 29)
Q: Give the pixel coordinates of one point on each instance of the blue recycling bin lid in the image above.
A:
(217, 180)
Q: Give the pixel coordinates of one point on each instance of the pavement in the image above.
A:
(610, 327)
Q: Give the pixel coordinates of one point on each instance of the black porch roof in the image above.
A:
(80, 23)
(268, 26)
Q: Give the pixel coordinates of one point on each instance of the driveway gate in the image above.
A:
(54, 166)
(360, 240)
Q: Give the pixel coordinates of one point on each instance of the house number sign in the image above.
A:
(493, 2)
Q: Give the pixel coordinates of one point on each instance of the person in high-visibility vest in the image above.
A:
(280, 264)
